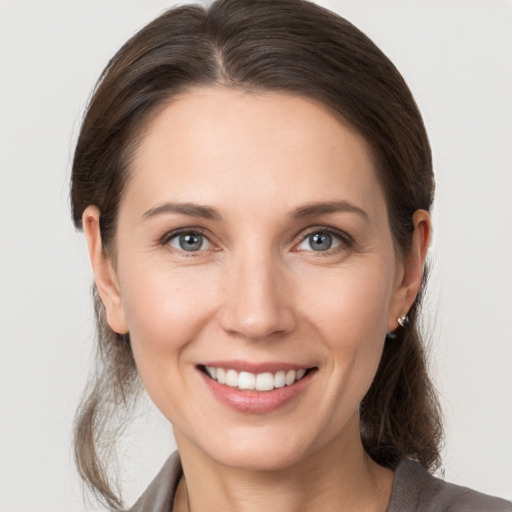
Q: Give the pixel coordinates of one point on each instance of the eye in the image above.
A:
(320, 241)
(189, 241)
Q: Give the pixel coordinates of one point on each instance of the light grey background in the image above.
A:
(455, 54)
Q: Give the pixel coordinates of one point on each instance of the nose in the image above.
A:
(257, 303)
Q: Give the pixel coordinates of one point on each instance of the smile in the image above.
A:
(266, 381)
(256, 388)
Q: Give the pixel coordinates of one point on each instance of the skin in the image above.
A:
(257, 291)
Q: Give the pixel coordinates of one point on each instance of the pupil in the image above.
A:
(320, 241)
(190, 242)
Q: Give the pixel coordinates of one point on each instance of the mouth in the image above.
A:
(249, 381)
(256, 388)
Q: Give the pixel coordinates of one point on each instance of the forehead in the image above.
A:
(229, 147)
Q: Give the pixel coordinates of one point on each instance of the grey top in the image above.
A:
(414, 490)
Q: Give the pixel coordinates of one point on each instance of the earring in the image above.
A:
(403, 321)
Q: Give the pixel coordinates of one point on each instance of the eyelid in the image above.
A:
(165, 239)
(346, 239)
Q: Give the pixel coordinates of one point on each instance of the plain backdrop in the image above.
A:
(456, 56)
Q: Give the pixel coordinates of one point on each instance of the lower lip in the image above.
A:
(255, 402)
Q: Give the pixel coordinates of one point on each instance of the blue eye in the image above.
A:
(320, 241)
(190, 242)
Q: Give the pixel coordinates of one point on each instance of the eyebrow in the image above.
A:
(206, 212)
(190, 209)
(310, 210)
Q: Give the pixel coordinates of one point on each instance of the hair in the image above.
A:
(290, 46)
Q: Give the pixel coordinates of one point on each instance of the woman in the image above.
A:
(254, 181)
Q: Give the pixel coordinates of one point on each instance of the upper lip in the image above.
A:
(256, 367)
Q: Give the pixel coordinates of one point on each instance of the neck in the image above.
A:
(340, 476)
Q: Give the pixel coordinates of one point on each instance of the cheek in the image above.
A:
(349, 303)
(348, 313)
(166, 311)
(166, 308)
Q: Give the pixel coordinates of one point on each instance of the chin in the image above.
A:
(260, 448)
(268, 457)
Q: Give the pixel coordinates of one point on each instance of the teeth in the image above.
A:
(264, 382)
(221, 375)
(232, 378)
(260, 382)
(246, 380)
(290, 377)
(280, 379)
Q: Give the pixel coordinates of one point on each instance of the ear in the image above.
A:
(410, 275)
(104, 273)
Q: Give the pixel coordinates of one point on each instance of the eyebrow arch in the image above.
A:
(190, 209)
(309, 210)
(197, 210)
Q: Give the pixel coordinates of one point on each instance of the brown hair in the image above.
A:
(268, 45)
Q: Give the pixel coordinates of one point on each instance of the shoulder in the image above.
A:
(159, 496)
(415, 489)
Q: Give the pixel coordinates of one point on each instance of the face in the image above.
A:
(253, 247)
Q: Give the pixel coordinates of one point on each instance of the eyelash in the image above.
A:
(166, 239)
(346, 241)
